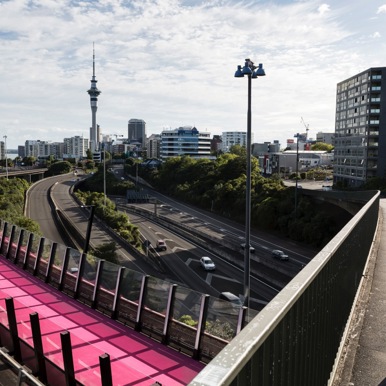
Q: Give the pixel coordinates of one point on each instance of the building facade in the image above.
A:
(232, 138)
(325, 137)
(185, 140)
(137, 132)
(153, 144)
(76, 147)
(2, 150)
(43, 149)
(360, 128)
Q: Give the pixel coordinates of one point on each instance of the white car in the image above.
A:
(161, 245)
(207, 263)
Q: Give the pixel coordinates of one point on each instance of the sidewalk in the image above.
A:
(364, 359)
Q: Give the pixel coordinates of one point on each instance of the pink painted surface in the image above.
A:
(135, 358)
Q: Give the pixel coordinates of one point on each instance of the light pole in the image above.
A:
(89, 226)
(297, 135)
(252, 72)
(6, 155)
(104, 173)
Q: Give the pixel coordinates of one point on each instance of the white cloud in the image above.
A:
(376, 35)
(382, 9)
(172, 63)
(324, 8)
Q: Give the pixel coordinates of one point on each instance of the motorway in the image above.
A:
(39, 209)
(182, 256)
(228, 276)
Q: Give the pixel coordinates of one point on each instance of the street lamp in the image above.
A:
(252, 72)
(89, 226)
(297, 135)
(6, 155)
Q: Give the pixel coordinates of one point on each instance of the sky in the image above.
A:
(172, 63)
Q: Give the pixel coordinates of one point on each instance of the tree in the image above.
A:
(57, 168)
(108, 252)
(238, 150)
(321, 146)
(89, 164)
(29, 161)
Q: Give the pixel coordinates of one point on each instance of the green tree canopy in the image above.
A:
(321, 146)
(57, 168)
(220, 186)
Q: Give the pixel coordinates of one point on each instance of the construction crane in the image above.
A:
(306, 125)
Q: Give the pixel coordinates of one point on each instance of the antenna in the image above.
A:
(93, 60)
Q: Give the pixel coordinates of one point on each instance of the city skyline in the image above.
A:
(171, 63)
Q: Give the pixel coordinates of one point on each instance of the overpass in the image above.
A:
(28, 173)
(295, 340)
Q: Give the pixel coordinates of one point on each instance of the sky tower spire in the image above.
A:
(94, 93)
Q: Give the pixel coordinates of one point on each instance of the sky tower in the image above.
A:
(93, 92)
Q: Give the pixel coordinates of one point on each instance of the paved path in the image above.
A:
(364, 359)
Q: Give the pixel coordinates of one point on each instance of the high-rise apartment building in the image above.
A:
(153, 146)
(185, 141)
(76, 147)
(43, 149)
(360, 128)
(231, 138)
(137, 132)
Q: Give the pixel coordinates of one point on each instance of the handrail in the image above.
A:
(22, 371)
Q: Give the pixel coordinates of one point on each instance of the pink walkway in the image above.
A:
(135, 359)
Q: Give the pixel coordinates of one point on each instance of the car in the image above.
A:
(207, 263)
(231, 298)
(277, 254)
(161, 245)
(251, 249)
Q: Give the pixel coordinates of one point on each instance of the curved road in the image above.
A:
(38, 208)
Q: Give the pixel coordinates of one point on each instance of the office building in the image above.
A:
(187, 141)
(325, 137)
(360, 128)
(216, 144)
(2, 150)
(137, 132)
(21, 151)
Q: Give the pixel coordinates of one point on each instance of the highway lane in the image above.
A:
(38, 208)
(225, 229)
(79, 217)
(182, 256)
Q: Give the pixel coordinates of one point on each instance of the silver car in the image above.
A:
(207, 263)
